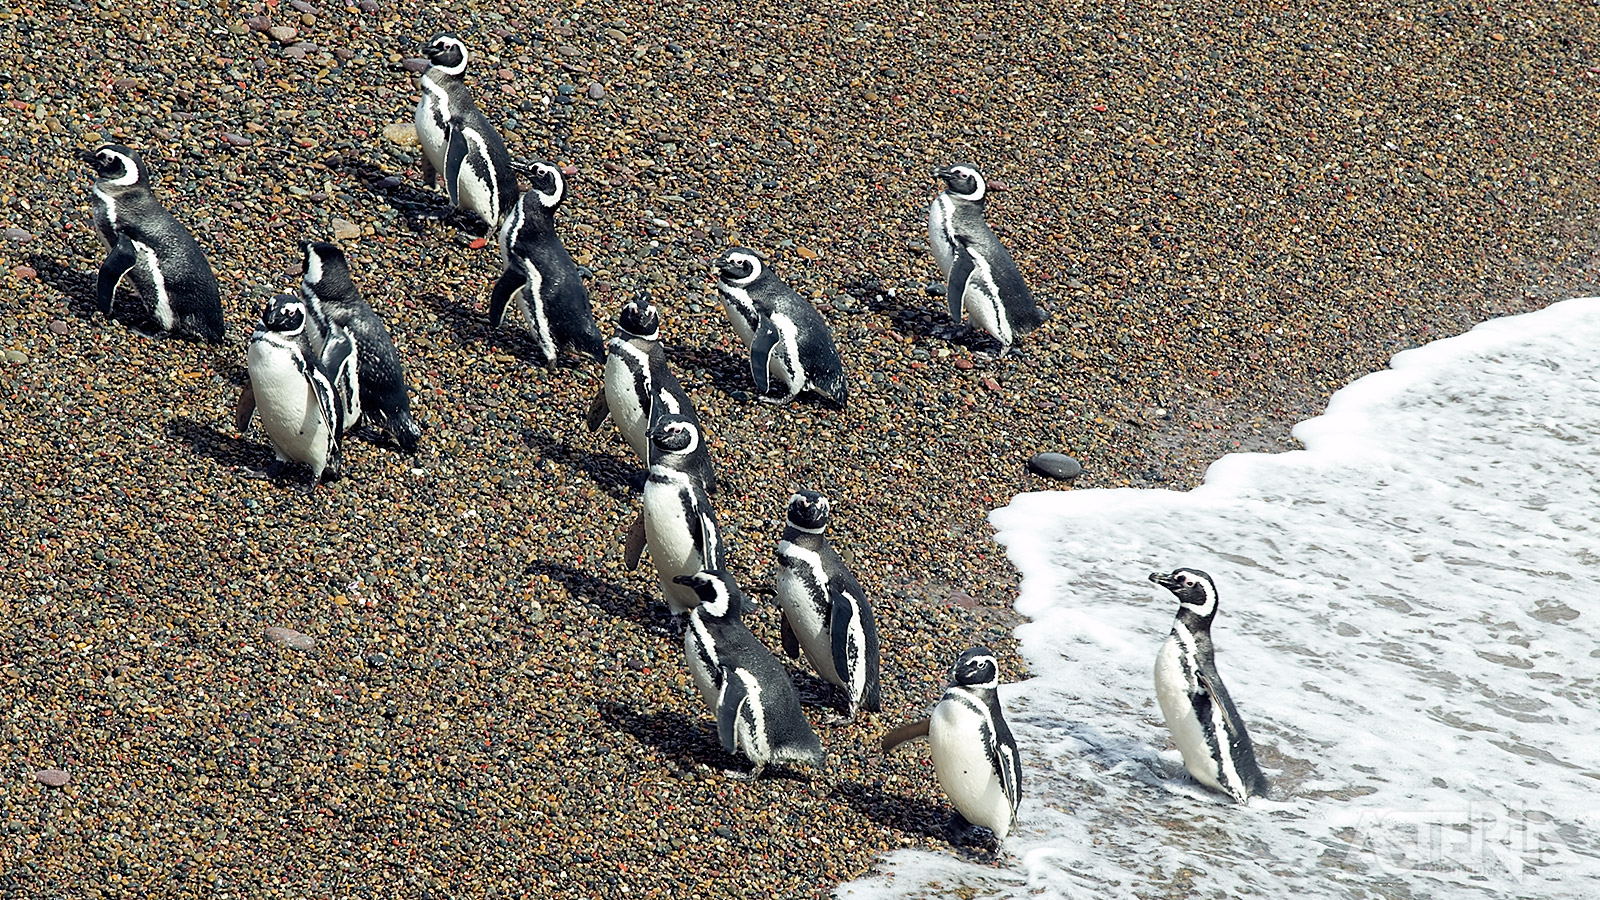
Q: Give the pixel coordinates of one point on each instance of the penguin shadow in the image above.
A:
(687, 741)
(470, 326)
(906, 815)
(677, 737)
(729, 372)
(226, 450)
(619, 477)
(78, 287)
(585, 587)
(419, 206)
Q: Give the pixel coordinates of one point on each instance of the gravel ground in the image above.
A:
(1230, 213)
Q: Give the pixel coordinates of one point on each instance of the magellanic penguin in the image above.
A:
(540, 273)
(981, 278)
(639, 387)
(677, 522)
(791, 346)
(825, 611)
(749, 692)
(168, 268)
(303, 383)
(1216, 747)
(974, 754)
(385, 401)
(457, 139)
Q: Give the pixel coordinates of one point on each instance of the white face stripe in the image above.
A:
(130, 169)
(459, 67)
(977, 193)
(755, 267)
(553, 199)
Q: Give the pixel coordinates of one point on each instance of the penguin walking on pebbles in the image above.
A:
(145, 243)
(638, 387)
(1216, 748)
(825, 612)
(677, 522)
(974, 755)
(457, 140)
(385, 399)
(540, 273)
(981, 279)
(303, 382)
(791, 346)
(747, 689)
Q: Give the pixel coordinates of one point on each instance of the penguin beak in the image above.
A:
(1166, 581)
(939, 174)
(686, 580)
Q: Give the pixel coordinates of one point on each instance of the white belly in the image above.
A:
(623, 401)
(672, 544)
(694, 637)
(1172, 693)
(732, 299)
(939, 238)
(805, 619)
(429, 133)
(964, 769)
(150, 265)
(287, 405)
(983, 303)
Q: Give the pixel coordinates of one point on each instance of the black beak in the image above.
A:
(687, 580)
(1166, 581)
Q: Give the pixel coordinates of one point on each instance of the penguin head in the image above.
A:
(718, 593)
(739, 267)
(1195, 590)
(808, 511)
(976, 668)
(640, 318)
(285, 314)
(548, 185)
(447, 53)
(323, 261)
(674, 434)
(963, 182)
(118, 165)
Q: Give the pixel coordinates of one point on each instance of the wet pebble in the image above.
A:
(1055, 465)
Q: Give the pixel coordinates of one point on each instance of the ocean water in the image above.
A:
(1409, 625)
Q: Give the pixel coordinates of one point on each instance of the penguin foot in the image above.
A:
(737, 775)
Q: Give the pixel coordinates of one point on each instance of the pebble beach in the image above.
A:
(435, 677)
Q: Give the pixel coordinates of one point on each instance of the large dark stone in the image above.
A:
(1055, 465)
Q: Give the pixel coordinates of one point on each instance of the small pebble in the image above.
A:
(1055, 465)
(52, 777)
(18, 236)
(402, 133)
(59, 326)
(16, 356)
(596, 91)
(288, 637)
(345, 230)
(25, 272)
(282, 33)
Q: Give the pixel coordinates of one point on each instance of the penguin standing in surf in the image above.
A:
(150, 247)
(981, 279)
(1216, 748)
(974, 755)
(457, 140)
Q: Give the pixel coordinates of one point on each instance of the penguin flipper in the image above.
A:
(245, 408)
(118, 263)
(908, 732)
(730, 705)
(633, 545)
(599, 409)
(956, 287)
(510, 281)
(455, 155)
(849, 655)
(791, 641)
(761, 350)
